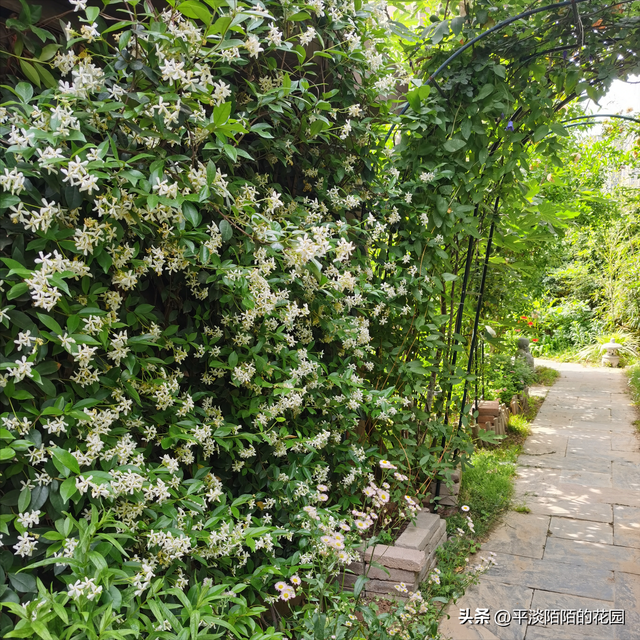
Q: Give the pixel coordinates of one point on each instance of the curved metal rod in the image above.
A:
(484, 34)
(589, 123)
(497, 27)
(602, 115)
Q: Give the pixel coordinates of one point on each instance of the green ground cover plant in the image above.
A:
(486, 494)
(634, 382)
(545, 376)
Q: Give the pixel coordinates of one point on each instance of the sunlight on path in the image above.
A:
(578, 551)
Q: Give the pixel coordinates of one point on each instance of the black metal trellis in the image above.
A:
(458, 325)
(476, 322)
(598, 115)
(484, 34)
(474, 335)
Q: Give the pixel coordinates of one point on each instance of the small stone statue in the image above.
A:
(523, 352)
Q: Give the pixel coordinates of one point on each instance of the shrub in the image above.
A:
(188, 315)
(506, 376)
(568, 325)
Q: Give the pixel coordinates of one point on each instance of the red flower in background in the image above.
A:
(534, 339)
(530, 324)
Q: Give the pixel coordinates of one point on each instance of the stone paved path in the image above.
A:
(579, 548)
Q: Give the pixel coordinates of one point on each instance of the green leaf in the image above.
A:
(92, 13)
(301, 15)
(48, 52)
(221, 113)
(24, 500)
(441, 31)
(231, 152)
(413, 98)
(38, 626)
(7, 453)
(193, 9)
(7, 200)
(359, 585)
(486, 90)
(46, 76)
(261, 129)
(24, 91)
(30, 71)
(17, 290)
(424, 91)
(453, 145)
(417, 367)
(465, 128)
(540, 132)
(68, 489)
(316, 128)
(226, 230)
(66, 459)
(50, 323)
(22, 582)
(191, 213)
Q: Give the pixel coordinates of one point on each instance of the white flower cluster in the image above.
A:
(86, 588)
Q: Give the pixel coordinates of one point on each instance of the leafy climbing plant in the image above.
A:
(230, 294)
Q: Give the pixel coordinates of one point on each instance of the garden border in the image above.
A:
(406, 563)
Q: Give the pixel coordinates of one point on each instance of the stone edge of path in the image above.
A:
(406, 562)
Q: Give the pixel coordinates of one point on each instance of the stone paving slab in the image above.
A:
(552, 576)
(588, 441)
(592, 415)
(526, 488)
(582, 530)
(545, 444)
(468, 632)
(567, 463)
(569, 428)
(613, 455)
(593, 554)
(490, 596)
(553, 601)
(521, 534)
(580, 510)
(587, 478)
(625, 443)
(626, 526)
(623, 415)
(628, 598)
(626, 475)
(597, 494)
(553, 633)
(529, 478)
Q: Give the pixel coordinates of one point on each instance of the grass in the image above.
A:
(546, 376)
(487, 489)
(634, 382)
(634, 387)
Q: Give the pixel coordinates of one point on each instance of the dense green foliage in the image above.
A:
(582, 288)
(507, 375)
(229, 296)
